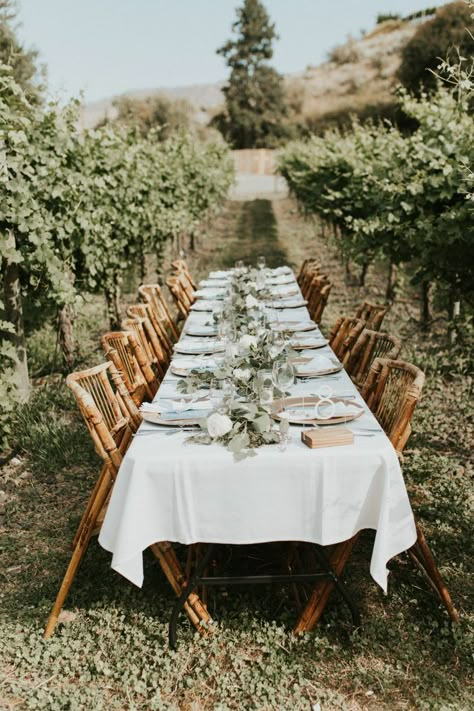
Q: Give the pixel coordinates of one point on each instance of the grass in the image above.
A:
(111, 650)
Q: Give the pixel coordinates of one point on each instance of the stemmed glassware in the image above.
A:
(283, 374)
(261, 262)
(263, 386)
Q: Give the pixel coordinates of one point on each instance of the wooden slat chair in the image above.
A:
(372, 314)
(180, 297)
(142, 330)
(152, 295)
(312, 278)
(369, 346)
(111, 418)
(392, 390)
(125, 352)
(159, 337)
(317, 302)
(180, 266)
(306, 264)
(344, 334)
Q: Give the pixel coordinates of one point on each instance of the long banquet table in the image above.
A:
(171, 490)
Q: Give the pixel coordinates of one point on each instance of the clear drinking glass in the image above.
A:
(283, 374)
(261, 262)
(263, 386)
(221, 391)
(239, 264)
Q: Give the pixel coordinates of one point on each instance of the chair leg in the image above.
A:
(322, 590)
(423, 558)
(86, 530)
(85, 515)
(171, 567)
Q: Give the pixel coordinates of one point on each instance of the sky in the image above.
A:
(107, 47)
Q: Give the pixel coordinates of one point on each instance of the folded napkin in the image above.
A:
(283, 279)
(209, 293)
(197, 346)
(219, 275)
(307, 342)
(318, 364)
(281, 270)
(205, 305)
(340, 410)
(284, 290)
(175, 405)
(213, 283)
(198, 363)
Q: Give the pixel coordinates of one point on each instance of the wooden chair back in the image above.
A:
(369, 346)
(180, 266)
(306, 264)
(125, 352)
(157, 336)
(137, 326)
(392, 390)
(318, 300)
(372, 314)
(312, 277)
(180, 297)
(344, 334)
(152, 295)
(108, 409)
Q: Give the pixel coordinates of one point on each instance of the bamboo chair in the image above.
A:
(125, 352)
(344, 334)
(151, 294)
(180, 297)
(312, 278)
(369, 346)
(392, 391)
(112, 419)
(180, 266)
(306, 264)
(317, 302)
(139, 327)
(158, 336)
(372, 314)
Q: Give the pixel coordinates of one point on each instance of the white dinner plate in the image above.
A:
(196, 348)
(287, 304)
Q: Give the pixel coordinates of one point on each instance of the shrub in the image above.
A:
(433, 41)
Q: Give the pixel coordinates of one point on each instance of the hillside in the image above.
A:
(359, 77)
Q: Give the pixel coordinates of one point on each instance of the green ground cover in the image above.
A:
(111, 650)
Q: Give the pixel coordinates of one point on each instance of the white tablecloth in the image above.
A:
(169, 490)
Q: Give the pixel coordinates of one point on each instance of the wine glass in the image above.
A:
(283, 374)
(239, 264)
(261, 262)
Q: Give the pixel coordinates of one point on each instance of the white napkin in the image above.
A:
(175, 405)
(281, 270)
(213, 283)
(189, 364)
(317, 364)
(208, 293)
(340, 409)
(206, 305)
(197, 346)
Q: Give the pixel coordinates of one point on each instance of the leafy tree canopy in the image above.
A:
(433, 41)
(155, 112)
(256, 109)
(12, 53)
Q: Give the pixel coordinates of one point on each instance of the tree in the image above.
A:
(256, 109)
(433, 42)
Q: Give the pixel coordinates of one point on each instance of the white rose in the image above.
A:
(218, 425)
(251, 302)
(246, 341)
(242, 373)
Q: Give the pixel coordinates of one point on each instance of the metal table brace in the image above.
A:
(197, 579)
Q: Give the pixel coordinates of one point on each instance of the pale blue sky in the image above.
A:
(105, 47)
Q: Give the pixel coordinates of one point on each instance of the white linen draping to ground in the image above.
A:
(169, 490)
